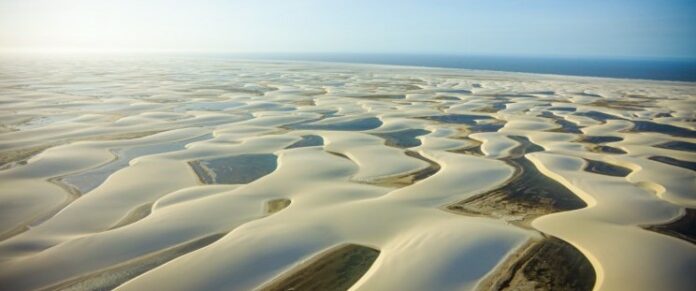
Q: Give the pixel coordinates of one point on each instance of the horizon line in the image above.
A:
(125, 51)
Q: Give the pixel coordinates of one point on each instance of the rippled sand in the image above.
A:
(200, 174)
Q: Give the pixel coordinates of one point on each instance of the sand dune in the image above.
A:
(203, 174)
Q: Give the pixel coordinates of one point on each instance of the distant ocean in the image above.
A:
(652, 69)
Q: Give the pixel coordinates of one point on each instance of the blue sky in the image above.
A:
(611, 28)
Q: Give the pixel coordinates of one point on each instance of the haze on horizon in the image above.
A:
(609, 28)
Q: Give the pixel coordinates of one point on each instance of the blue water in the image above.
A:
(654, 69)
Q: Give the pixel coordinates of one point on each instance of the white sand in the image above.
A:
(84, 112)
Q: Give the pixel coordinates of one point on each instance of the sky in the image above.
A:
(604, 28)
